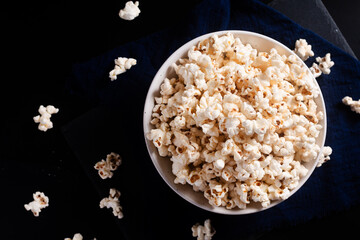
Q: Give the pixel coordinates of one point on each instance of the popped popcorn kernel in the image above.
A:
(205, 232)
(121, 65)
(106, 167)
(44, 118)
(315, 70)
(113, 202)
(325, 63)
(40, 201)
(355, 105)
(325, 156)
(303, 49)
(131, 11)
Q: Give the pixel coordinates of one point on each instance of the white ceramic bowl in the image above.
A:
(163, 165)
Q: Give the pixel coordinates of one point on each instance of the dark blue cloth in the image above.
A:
(149, 204)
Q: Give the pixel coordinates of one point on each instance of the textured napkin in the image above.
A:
(151, 208)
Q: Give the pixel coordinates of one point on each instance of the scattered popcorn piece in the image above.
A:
(121, 65)
(44, 118)
(106, 167)
(77, 236)
(315, 70)
(303, 49)
(237, 124)
(325, 63)
(40, 201)
(355, 105)
(205, 232)
(130, 11)
(325, 156)
(113, 202)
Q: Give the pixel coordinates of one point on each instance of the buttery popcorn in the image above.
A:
(106, 167)
(44, 118)
(205, 232)
(303, 49)
(130, 11)
(40, 201)
(237, 123)
(355, 105)
(113, 202)
(121, 65)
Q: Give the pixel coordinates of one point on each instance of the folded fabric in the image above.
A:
(150, 207)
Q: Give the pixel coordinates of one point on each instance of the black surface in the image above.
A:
(41, 41)
(346, 15)
(313, 15)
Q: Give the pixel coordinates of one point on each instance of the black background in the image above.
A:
(40, 43)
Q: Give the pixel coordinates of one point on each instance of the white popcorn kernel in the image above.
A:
(77, 236)
(219, 164)
(40, 201)
(303, 49)
(205, 232)
(325, 63)
(121, 65)
(248, 110)
(44, 118)
(113, 202)
(266, 149)
(231, 126)
(315, 70)
(324, 156)
(249, 127)
(131, 11)
(106, 167)
(355, 105)
(167, 88)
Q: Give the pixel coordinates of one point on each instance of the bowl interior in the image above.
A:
(163, 165)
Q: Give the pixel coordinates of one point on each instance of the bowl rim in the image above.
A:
(162, 71)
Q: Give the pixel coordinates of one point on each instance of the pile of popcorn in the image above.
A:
(237, 124)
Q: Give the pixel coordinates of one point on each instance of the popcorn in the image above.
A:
(325, 156)
(219, 164)
(113, 202)
(315, 70)
(40, 201)
(44, 119)
(325, 63)
(238, 124)
(106, 167)
(121, 65)
(355, 105)
(131, 11)
(303, 49)
(77, 236)
(205, 232)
